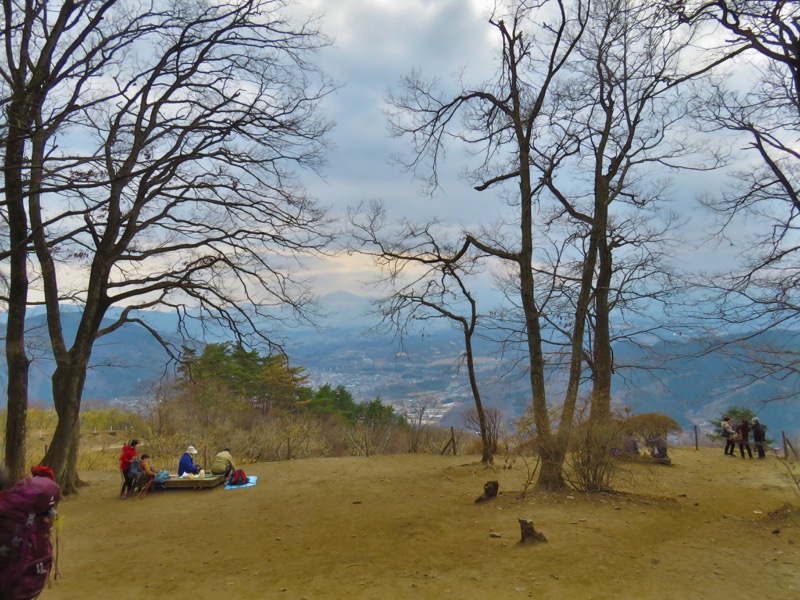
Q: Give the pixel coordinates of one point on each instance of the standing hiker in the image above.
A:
(759, 437)
(729, 435)
(743, 438)
(126, 460)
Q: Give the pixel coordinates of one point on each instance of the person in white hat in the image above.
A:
(186, 464)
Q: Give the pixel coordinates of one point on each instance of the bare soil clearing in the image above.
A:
(399, 527)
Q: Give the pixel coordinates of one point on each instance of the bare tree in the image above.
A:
(493, 422)
(52, 54)
(502, 118)
(181, 193)
(768, 27)
(417, 416)
(759, 294)
(429, 281)
(620, 123)
(583, 110)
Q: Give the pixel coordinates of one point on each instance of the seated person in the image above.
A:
(146, 474)
(223, 463)
(186, 464)
(147, 469)
(659, 445)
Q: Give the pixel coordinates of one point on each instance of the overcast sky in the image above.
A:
(375, 43)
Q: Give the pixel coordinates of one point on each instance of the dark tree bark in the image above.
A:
(629, 133)
(16, 357)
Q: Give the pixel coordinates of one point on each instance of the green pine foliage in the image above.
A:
(377, 414)
(245, 379)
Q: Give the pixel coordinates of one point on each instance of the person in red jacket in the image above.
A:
(125, 459)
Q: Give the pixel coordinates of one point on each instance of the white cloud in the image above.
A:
(376, 42)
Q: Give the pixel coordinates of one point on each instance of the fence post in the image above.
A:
(787, 445)
(696, 439)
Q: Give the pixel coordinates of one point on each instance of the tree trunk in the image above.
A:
(71, 364)
(18, 363)
(551, 475)
(16, 357)
(62, 455)
(487, 456)
(602, 357)
(576, 355)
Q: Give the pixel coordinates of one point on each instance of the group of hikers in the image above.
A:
(137, 472)
(740, 434)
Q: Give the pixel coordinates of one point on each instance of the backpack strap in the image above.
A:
(57, 522)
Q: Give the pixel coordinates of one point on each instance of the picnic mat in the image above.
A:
(251, 481)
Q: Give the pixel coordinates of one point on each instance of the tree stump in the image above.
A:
(490, 489)
(529, 533)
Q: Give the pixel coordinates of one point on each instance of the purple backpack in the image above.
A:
(27, 513)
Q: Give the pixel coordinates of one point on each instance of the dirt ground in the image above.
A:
(407, 526)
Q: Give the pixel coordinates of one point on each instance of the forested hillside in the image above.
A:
(669, 377)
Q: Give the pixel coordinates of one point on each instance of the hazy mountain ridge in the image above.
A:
(127, 363)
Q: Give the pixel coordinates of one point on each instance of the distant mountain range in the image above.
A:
(693, 390)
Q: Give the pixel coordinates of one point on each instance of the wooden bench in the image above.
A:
(188, 483)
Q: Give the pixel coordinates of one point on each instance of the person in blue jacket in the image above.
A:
(186, 464)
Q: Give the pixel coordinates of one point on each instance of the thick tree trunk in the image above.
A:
(551, 475)
(62, 455)
(16, 357)
(17, 389)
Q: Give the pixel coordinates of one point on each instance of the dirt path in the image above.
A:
(400, 527)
